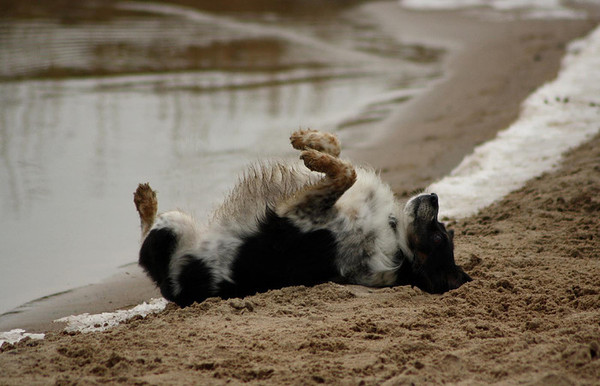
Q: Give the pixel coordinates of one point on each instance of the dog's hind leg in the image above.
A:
(146, 204)
(312, 139)
(165, 255)
(315, 201)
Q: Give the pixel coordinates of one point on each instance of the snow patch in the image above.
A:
(526, 9)
(13, 336)
(557, 117)
(100, 322)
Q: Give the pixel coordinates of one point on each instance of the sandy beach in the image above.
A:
(530, 316)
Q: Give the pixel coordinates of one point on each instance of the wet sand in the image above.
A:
(530, 315)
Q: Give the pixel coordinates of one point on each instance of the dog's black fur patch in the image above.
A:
(281, 255)
(156, 252)
(194, 280)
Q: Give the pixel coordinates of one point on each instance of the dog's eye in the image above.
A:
(437, 238)
(393, 221)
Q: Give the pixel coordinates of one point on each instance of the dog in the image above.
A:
(290, 224)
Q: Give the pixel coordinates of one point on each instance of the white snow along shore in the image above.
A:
(558, 116)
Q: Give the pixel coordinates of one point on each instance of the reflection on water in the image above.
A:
(72, 149)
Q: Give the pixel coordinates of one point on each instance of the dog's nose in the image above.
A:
(434, 198)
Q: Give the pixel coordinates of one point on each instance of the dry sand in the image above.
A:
(532, 314)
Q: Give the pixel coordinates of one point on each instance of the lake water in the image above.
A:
(177, 97)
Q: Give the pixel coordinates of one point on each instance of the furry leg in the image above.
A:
(316, 200)
(146, 204)
(167, 249)
(311, 139)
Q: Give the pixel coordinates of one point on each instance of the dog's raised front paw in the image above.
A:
(312, 139)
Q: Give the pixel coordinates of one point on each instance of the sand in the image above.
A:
(531, 314)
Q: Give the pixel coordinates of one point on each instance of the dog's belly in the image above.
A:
(280, 254)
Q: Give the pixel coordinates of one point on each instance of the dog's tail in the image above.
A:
(146, 204)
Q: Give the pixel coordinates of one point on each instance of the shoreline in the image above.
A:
(414, 128)
(491, 68)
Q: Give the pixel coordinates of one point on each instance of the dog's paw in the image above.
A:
(317, 161)
(146, 203)
(312, 139)
(324, 163)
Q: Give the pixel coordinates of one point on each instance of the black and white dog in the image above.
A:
(286, 224)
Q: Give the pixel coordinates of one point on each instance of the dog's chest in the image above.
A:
(368, 204)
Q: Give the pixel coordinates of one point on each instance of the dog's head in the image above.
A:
(433, 268)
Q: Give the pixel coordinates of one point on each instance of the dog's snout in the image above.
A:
(434, 199)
